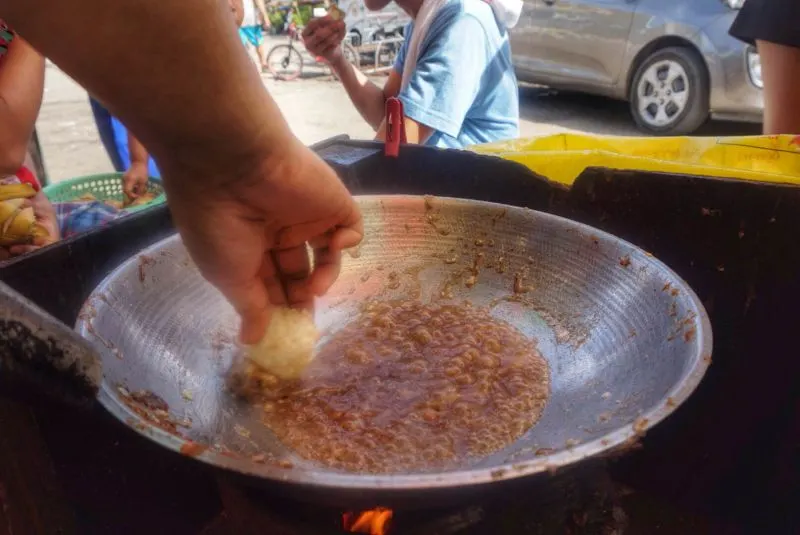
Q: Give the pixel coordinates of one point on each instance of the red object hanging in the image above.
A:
(395, 127)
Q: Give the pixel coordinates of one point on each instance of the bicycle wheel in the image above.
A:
(351, 55)
(386, 53)
(285, 62)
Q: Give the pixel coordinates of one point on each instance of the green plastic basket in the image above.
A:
(106, 187)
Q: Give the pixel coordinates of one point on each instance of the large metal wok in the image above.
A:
(626, 339)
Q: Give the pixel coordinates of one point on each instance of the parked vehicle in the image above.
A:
(673, 61)
(365, 27)
(285, 61)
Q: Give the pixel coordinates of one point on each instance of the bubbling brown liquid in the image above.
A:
(408, 386)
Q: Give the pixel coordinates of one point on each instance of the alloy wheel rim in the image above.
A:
(663, 93)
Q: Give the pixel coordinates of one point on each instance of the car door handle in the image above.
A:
(549, 2)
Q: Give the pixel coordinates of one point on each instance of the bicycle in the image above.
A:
(285, 62)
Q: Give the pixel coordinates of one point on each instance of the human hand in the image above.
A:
(323, 38)
(134, 181)
(45, 214)
(248, 234)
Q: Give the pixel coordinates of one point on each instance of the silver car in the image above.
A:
(365, 26)
(673, 61)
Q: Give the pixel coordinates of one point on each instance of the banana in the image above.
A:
(16, 191)
(18, 223)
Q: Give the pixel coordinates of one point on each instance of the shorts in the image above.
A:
(253, 35)
(775, 21)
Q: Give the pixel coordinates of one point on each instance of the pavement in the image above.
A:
(317, 108)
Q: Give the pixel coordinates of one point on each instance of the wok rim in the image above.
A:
(329, 480)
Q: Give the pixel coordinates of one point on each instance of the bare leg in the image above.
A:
(780, 70)
(262, 53)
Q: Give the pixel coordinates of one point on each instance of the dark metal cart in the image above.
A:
(726, 462)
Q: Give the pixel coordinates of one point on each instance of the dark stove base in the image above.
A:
(589, 505)
(586, 503)
(735, 242)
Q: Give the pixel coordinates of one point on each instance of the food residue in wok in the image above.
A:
(153, 409)
(409, 386)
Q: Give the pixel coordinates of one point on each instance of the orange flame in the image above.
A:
(374, 522)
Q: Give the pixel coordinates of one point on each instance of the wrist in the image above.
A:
(229, 168)
(233, 143)
(139, 166)
(338, 61)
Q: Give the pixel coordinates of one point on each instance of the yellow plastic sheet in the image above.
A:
(562, 157)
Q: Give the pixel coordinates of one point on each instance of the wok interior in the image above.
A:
(619, 331)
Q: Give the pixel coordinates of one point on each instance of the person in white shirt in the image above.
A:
(251, 30)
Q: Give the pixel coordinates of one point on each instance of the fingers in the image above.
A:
(129, 187)
(252, 304)
(294, 268)
(328, 254)
(327, 245)
(324, 36)
(283, 279)
(272, 281)
(42, 241)
(134, 184)
(19, 250)
(348, 233)
(310, 28)
(351, 222)
(321, 23)
(327, 265)
(347, 237)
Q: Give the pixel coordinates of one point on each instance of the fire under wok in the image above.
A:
(626, 340)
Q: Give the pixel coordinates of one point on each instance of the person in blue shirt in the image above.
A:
(455, 78)
(126, 153)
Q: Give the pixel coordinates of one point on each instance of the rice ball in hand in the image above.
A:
(287, 348)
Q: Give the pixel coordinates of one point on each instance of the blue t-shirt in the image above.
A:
(464, 85)
(114, 137)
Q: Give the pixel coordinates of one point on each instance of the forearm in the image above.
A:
(137, 151)
(262, 9)
(368, 98)
(21, 88)
(158, 91)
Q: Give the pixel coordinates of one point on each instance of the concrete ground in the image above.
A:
(318, 108)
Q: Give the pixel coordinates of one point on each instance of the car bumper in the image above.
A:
(733, 73)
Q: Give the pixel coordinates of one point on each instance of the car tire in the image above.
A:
(355, 38)
(669, 93)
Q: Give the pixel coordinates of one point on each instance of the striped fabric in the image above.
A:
(77, 217)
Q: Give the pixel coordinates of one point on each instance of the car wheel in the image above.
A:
(355, 38)
(669, 93)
